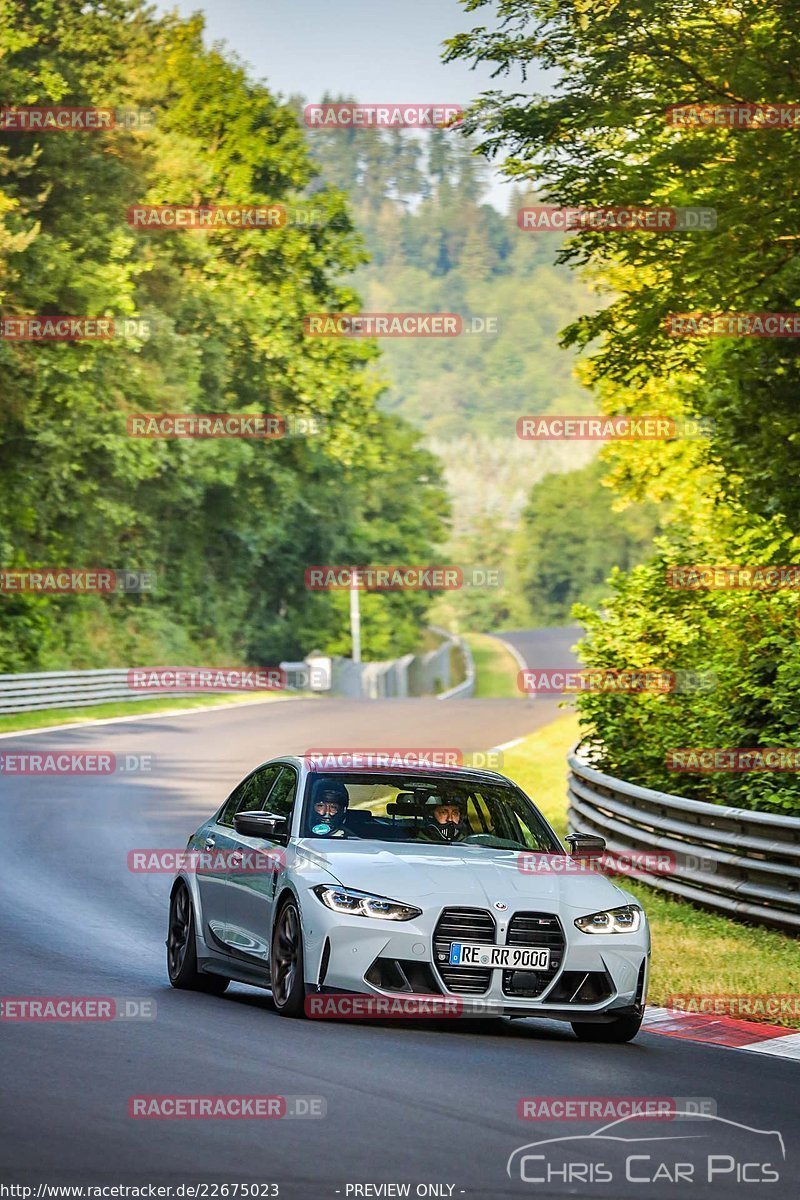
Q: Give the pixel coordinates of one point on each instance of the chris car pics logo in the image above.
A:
(698, 1148)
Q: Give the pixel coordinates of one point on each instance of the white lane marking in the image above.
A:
(508, 745)
(653, 1013)
(164, 712)
(523, 666)
(782, 1047)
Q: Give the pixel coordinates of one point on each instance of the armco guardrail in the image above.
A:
(429, 674)
(66, 689)
(80, 689)
(412, 675)
(741, 863)
(467, 687)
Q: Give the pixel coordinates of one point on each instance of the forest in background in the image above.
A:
(416, 459)
(227, 527)
(538, 512)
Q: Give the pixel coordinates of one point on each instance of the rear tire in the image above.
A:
(182, 948)
(623, 1029)
(286, 962)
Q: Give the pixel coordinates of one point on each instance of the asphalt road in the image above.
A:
(418, 1103)
(544, 649)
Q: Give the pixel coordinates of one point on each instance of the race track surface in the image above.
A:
(418, 1102)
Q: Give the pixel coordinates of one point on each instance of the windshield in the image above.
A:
(439, 810)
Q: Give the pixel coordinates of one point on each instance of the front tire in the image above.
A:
(623, 1029)
(182, 948)
(286, 962)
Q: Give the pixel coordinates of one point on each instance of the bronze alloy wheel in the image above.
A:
(286, 970)
(182, 965)
(180, 925)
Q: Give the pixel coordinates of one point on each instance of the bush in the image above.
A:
(746, 640)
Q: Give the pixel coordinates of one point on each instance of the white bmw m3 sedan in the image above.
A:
(406, 883)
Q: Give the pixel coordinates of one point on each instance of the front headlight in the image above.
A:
(614, 920)
(364, 904)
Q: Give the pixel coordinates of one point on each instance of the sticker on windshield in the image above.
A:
(321, 829)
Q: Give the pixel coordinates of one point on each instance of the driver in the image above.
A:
(329, 808)
(446, 820)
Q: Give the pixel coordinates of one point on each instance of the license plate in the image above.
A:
(471, 954)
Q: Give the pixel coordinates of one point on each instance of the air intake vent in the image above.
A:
(463, 925)
(326, 958)
(534, 929)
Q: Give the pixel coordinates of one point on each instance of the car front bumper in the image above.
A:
(342, 953)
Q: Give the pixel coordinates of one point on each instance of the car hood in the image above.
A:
(469, 875)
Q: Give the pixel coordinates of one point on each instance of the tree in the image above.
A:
(228, 526)
(571, 539)
(601, 138)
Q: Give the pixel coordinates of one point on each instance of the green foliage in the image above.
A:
(745, 647)
(601, 138)
(491, 600)
(227, 526)
(434, 246)
(571, 538)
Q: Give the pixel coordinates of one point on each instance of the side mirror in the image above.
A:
(585, 845)
(262, 825)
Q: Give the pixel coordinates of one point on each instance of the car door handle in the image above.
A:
(210, 843)
(236, 859)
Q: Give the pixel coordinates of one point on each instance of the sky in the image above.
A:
(372, 50)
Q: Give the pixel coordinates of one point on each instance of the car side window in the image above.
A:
(250, 793)
(281, 798)
(255, 796)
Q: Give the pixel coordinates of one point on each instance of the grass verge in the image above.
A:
(120, 708)
(694, 951)
(495, 668)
